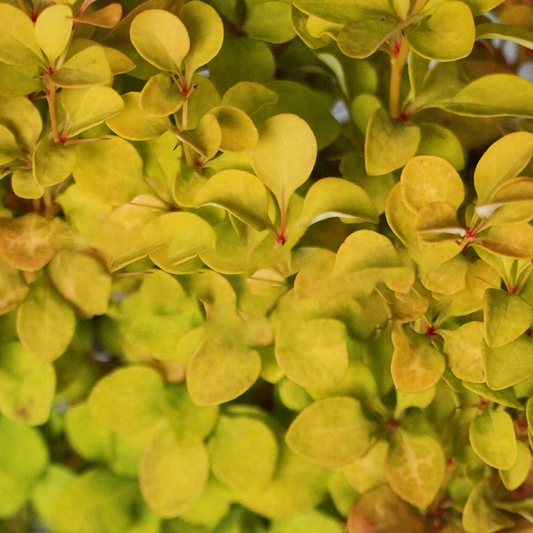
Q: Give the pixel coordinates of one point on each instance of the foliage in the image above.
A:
(222, 309)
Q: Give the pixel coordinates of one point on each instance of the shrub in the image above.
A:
(223, 309)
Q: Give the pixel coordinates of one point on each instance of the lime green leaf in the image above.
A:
(84, 69)
(27, 386)
(24, 458)
(206, 138)
(515, 241)
(23, 119)
(493, 438)
(29, 242)
(243, 452)
(415, 468)
(13, 288)
(129, 400)
(249, 96)
(509, 364)
(240, 192)
(441, 142)
(314, 521)
(172, 478)
(9, 147)
(120, 63)
(463, 351)
(45, 322)
(362, 108)
(448, 34)
(492, 30)
(507, 316)
(494, 95)
(480, 515)
(381, 508)
(303, 25)
(109, 170)
(339, 10)
(222, 368)
(503, 161)
(427, 179)
(361, 38)
(19, 80)
(284, 156)
(238, 131)
(479, 7)
(85, 108)
(389, 144)
(505, 397)
(313, 354)
(191, 423)
(206, 33)
(161, 38)
(416, 364)
(161, 96)
(269, 21)
(517, 474)
(82, 280)
(369, 471)
(52, 162)
(24, 185)
(331, 432)
(107, 17)
(437, 222)
(53, 30)
(179, 236)
(18, 45)
(136, 124)
(334, 197)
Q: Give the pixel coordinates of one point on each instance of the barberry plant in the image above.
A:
(265, 266)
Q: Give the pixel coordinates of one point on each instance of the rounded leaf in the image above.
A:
(331, 432)
(161, 38)
(238, 131)
(88, 67)
(52, 162)
(53, 30)
(161, 96)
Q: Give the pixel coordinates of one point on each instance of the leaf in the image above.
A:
(24, 458)
(441, 142)
(161, 96)
(85, 108)
(492, 437)
(52, 162)
(437, 222)
(24, 185)
(136, 124)
(331, 432)
(480, 515)
(84, 69)
(13, 288)
(161, 38)
(206, 138)
(382, 509)
(177, 237)
(30, 241)
(494, 95)
(334, 197)
(23, 119)
(515, 241)
(284, 156)
(45, 322)
(415, 468)
(507, 316)
(19, 80)
(18, 45)
(368, 472)
(53, 30)
(416, 364)
(129, 400)
(27, 386)
(249, 96)
(448, 34)
(222, 368)
(479, 7)
(109, 170)
(82, 280)
(506, 397)
(463, 351)
(9, 148)
(312, 354)
(107, 17)
(503, 161)
(389, 143)
(361, 38)
(172, 478)
(206, 33)
(517, 474)
(243, 452)
(509, 364)
(241, 193)
(427, 179)
(340, 11)
(492, 30)
(239, 133)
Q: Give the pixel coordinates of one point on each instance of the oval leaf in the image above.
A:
(238, 131)
(53, 30)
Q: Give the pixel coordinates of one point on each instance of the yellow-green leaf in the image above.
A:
(510, 240)
(53, 30)
(249, 96)
(88, 67)
(52, 162)
(206, 138)
(517, 474)
(239, 133)
(161, 38)
(161, 96)
(437, 222)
